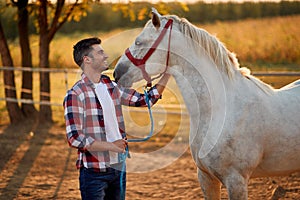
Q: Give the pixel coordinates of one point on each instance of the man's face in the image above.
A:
(99, 58)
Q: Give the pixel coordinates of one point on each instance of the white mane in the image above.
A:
(217, 51)
(223, 58)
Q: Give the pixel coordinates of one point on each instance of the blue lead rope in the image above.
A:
(126, 154)
(151, 121)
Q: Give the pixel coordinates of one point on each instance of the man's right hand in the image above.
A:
(120, 145)
(116, 146)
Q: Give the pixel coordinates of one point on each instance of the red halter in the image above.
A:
(140, 62)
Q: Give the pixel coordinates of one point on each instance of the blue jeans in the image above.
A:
(102, 185)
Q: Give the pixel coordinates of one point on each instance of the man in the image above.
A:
(94, 122)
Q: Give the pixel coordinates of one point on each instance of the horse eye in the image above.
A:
(137, 43)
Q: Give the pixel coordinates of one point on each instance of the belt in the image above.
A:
(116, 166)
(111, 168)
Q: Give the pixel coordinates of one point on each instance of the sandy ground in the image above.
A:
(38, 164)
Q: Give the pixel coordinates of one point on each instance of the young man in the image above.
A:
(94, 122)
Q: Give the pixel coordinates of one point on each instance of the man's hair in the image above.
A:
(83, 48)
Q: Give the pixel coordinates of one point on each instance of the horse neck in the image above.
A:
(202, 86)
(204, 105)
(195, 72)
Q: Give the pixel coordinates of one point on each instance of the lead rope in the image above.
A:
(126, 154)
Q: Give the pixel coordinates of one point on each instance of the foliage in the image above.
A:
(257, 41)
(107, 16)
(202, 12)
(48, 18)
(141, 11)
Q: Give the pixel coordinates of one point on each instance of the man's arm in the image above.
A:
(116, 146)
(74, 119)
(130, 97)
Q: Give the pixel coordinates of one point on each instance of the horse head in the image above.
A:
(148, 55)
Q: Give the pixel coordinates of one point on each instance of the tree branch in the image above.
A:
(56, 24)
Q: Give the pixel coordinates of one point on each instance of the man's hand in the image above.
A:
(116, 146)
(119, 145)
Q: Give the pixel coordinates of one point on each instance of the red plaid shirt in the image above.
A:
(85, 122)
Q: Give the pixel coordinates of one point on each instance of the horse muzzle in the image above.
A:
(120, 69)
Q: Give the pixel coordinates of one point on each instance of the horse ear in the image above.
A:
(155, 18)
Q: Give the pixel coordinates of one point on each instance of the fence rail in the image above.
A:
(67, 71)
(46, 70)
(70, 70)
(29, 69)
(276, 73)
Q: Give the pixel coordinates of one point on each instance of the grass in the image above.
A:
(261, 41)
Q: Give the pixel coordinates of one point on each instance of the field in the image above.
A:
(36, 162)
(258, 43)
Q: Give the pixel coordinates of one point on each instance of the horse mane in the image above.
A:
(221, 56)
(217, 51)
(263, 86)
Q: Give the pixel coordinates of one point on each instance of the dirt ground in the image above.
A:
(36, 163)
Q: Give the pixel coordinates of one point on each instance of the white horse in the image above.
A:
(240, 127)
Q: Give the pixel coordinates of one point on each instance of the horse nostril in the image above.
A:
(116, 78)
(119, 71)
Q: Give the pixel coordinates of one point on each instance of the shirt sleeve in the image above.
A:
(74, 118)
(131, 97)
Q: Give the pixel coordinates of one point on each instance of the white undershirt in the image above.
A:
(110, 118)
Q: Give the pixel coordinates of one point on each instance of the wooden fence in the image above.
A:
(69, 77)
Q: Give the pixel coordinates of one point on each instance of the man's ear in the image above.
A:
(86, 59)
(155, 18)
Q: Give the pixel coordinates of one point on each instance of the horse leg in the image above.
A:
(211, 187)
(237, 186)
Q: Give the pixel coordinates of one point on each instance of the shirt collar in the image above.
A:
(88, 82)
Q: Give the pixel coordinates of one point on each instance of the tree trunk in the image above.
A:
(45, 110)
(27, 92)
(14, 111)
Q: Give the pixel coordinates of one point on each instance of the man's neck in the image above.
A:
(93, 76)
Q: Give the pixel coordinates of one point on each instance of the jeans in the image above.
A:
(102, 185)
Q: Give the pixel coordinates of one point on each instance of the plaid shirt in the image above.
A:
(85, 122)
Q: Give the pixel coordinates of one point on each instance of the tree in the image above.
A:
(28, 109)
(14, 112)
(50, 17)
(47, 31)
